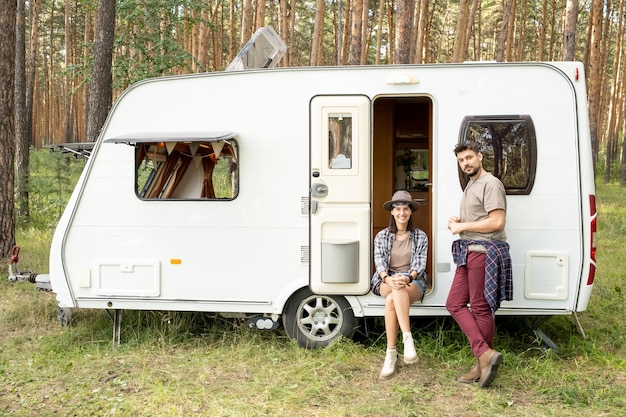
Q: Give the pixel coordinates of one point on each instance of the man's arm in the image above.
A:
(495, 221)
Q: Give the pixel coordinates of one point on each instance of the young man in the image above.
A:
(483, 275)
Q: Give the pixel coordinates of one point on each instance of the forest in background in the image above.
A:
(73, 58)
(167, 37)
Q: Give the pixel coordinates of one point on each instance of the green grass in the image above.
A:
(182, 364)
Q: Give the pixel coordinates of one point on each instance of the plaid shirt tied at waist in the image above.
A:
(498, 270)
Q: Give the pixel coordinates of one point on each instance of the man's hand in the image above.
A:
(454, 224)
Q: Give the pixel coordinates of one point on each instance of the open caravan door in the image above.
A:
(340, 246)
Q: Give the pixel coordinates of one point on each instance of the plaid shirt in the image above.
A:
(498, 270)
(382, 253)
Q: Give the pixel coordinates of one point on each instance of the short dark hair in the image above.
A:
(467, 146)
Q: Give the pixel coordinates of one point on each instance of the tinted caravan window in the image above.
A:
(509, 148)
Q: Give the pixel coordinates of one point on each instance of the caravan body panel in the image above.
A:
(248, 253)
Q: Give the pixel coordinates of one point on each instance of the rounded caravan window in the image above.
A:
(509, 148)
(186, 170)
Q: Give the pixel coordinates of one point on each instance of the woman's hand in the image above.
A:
(397, 281)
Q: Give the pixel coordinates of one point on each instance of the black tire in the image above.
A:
(317, 320)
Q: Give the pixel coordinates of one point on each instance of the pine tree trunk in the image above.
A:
(232, 35)
(421, 47)
(622, 171)
(7, 125)
(345, 49)
(402, 42)
(259, 18)
(318, 34)
(246, 22)
(101, 93)
(616, 106)
(379, 37)
(542, 31)
(355, 33)
(365, 38)
(470, 26)
(595, 74)
(459, 52)
(569, 32)
(88, 36)
(22, 141)
(67, 96)
(504, 43)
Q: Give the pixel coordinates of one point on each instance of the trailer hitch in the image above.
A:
(42, 282)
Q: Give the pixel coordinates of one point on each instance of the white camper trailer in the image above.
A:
(258, 193)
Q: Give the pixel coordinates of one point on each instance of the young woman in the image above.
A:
(400, 258)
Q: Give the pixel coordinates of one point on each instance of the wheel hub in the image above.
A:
(319, 317)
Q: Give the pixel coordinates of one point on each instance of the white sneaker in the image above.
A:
(389, 367)
(410, 356)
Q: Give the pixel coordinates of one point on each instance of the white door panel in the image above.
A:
(340, 195)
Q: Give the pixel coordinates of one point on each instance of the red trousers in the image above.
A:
(476, 320)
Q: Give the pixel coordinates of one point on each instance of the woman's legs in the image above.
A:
(391, 322)
(397, 303)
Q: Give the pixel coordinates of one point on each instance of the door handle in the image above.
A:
(319, 190)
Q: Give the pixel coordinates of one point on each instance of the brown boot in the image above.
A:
(473, 375)
(488, 362)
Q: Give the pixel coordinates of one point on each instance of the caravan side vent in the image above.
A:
(304, 206)
(304, 254)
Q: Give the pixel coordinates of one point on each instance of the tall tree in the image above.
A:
(521, 31)
(318, 35)
(542, 30)
(379, 30)
(201, 37)
(595, 73)
(615, 97)
(510, 33)
(569, 31)
(421, 46)
(290, 35)
(246, 22)
(88, 36)
(402, 42)
(67, 97)
(33, 69)
(345, 47)
(232, 50)
(7, 125)
(470, 25)
(504, 38)
(259, 18)
(22, 141)
(284, 25)
(622, 165)
(101, 93)
(356, 32)
(460, 42)
(365, 32)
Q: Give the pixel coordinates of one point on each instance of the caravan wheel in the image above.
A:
(317, 320)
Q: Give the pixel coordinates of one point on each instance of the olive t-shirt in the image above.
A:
(482, 195)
